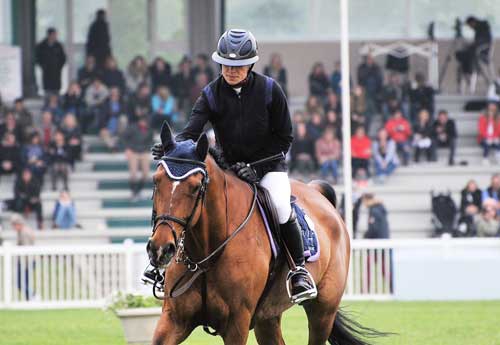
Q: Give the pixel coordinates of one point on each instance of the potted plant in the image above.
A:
(138, 315)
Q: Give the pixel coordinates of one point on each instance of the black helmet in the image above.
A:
(236, 47)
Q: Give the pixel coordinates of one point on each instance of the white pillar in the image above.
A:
(129, 264)
(346, 111)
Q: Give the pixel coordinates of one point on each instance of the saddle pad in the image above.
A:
(309, 236)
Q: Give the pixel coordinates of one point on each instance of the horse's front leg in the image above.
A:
(237, 329)
(168, 332)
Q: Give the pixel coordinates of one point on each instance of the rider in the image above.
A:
(251, 120)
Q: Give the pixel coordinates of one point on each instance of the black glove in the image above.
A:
(245, 172)
(157, 151)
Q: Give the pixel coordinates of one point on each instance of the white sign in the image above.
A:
(10, 73)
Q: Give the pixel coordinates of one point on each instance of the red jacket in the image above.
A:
(361, 147)
(398, 129)
(482, 128)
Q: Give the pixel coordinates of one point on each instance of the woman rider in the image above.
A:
(251, 120)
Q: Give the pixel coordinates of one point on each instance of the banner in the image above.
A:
(10, 73)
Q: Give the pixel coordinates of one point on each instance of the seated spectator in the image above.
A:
(486, 223)
(59, 160)
(181, 86)
(25, 236)
(421, 97)
(302, 151)
(160, 73)
(113, 118)
(393, 96)
(422, 138)
(112, 76)
(73, 100)
(493, 191)
(137, 140)
(27, 196)
(315, 126)
(399, 130)
(361, 152)
(313, 105)
(202, 65)
(163, 107)
(87, 73)
(64, 215)
(378, 225)
(370, 77)
(489, 132)
(276, 71)
(24, 118)
(318, 82)
(200, 82)
(34, 158)
(48, 128)
(333, 120)
(54, 106)
(328, 152)
(73, 136)
(356, 121)
(444, 134)
(137, 73)
(140, 104)
(358, 101)
(10, 155)
(95, 96)
(471, 199)
(336, 78)
(385, 155)
(10, 126)
(332, 102)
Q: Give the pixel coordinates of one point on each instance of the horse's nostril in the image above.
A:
(170, 250)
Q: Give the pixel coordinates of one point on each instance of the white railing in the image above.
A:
(87, 275)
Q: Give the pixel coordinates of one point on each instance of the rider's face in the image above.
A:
(234, 75)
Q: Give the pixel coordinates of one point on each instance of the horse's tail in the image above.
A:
(326, 189)
(349, 332)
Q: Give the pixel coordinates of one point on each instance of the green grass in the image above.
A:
(430, 323)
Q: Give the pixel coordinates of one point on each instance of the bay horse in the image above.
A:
(201, 209)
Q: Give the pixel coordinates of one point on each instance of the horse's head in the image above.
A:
(180, 183)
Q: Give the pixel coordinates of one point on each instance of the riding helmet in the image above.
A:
(236, 47)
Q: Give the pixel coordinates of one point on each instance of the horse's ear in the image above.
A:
(202, 146)
(167, 140)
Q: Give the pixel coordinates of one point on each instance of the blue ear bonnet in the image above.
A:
(182, 160)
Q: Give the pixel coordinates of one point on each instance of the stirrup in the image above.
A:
(303, 296)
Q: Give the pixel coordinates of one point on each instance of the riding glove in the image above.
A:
(157, 151)
(245, 172)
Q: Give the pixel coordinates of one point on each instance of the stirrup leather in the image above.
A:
(303, 296)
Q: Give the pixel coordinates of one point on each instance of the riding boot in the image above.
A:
(302, 284)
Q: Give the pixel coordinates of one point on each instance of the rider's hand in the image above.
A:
(245, 172)
(157, 151)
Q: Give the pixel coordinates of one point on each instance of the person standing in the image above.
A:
(276, 71)
(371, 79)
(51, 57)
(99, 40)
(25, 237)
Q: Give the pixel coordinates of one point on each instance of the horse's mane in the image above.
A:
(218, 157)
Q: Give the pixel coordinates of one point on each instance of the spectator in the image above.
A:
(24, 118)
(378, 225)
(489, 131)
(3, 107)
(95, 97)
(276, 71)
(333, 120)
(73, 136)
(137, 140)
(10, 126)
(112, 76)
(393, 96)
(358, 106)
(333, 102)
(421, 97)
(302, 150)
(336, 78)
(34, 157)
(444, 134)
(422, 139)
(59, 160)
(113, 119)
(486, 223)
(315, 126)
(313, 105)
(328, 152)
(48, 129)
(99, 40)
(182, 84)
(201, 65)
(27, 195)
(356, 121)
(493, 191)
(87, 73)
(64, 215)
(318, 82)
(161, 73)
(371, 79)
(163, 107)
(51, 58)
(361, 152)
(140, 104)
(201, 80)
(385, 155)
(25, 237)
(399, 130)
(10, 155)
(73, 100)
(471, 199)
(137, 73)
(54, 107)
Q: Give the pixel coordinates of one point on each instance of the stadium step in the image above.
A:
(127, 223)
(119, 184)
(126, 203)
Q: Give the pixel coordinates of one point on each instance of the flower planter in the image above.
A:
(139, 324)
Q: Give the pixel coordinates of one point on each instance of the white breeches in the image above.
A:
(278, 185)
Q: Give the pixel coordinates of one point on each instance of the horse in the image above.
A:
(203, 211)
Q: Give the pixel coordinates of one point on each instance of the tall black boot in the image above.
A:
(302, 284)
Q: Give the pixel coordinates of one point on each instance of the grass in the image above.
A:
(428, 323)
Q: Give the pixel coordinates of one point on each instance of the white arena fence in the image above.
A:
(69, 276)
